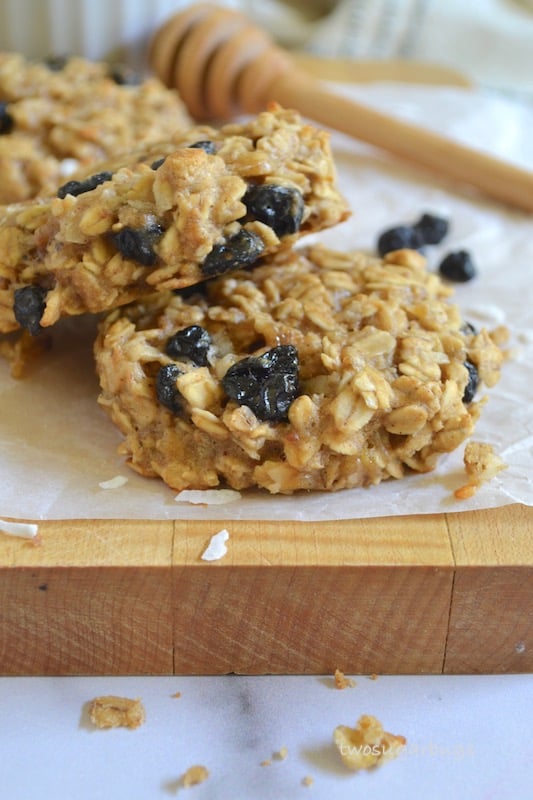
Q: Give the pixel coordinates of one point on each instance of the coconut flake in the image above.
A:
(68, 166)
(113, 483)
(207, 497)
(26, 530)
(216, 548)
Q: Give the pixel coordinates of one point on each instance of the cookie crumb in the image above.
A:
(266, 763)
(110, 711)
(481, 464)
(308, 780)
(368, 744)
(195, 775)
(341, 681)
(373, 677)
(466, 491)
(281, 754)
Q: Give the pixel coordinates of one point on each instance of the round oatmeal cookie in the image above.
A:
(66, 114)
(320, 370)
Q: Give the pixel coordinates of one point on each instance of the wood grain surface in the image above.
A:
(349, 70)
(419, 594)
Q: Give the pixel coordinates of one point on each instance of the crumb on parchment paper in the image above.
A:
(368, 744)
(110, 711)
(481, 464)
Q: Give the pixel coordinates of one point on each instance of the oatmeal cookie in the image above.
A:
(203, 203)
(67, 114)
(318, 370)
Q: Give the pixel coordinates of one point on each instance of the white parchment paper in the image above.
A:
(57, 446)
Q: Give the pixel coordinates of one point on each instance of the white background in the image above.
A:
(468, 738)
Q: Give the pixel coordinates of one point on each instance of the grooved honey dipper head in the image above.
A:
(219, 62)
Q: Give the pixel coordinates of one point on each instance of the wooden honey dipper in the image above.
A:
(222, 64)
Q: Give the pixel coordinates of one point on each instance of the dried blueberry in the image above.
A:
(458, 266)
(195, 290)
(279, 207)
(206, 145)
(473, 380)
(267, 384)
(6, 120)
(468, 329)
(241, 250)
(157, 163)
(167, 391)
(56, 63)
(29, 307)
(137, 243)
(123, 75)
(433, 229)
(398, 238)
(80, 187)
(189, 344)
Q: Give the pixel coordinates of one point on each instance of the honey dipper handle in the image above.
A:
(496, 178)
(221, 64)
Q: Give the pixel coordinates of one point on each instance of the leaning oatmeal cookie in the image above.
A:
(66, 114)
(318, 370)
(204, 203)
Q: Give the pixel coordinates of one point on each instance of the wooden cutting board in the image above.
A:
(446, 593)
